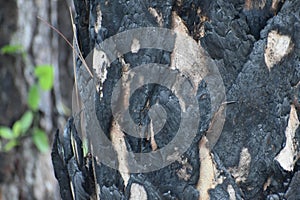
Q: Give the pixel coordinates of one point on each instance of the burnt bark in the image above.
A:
(255, 46)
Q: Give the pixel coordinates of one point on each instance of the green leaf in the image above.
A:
(45, 75)
(26, 121)
(11, 49)
(17, 128)
(33, 97)
(40, 140)
(11, 144)
(6, 132)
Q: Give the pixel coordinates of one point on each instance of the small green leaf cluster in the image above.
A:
(45, 76)
(26, 125)
(13, 49)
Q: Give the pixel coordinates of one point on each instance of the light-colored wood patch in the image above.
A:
(248, 5)
(118, 141)
(254, 4)
(241, 172)
(287, 155)
(188, 57)
(207, 170)
(153, 142)
(178, 25)
(231, 192)
(135, 46)
(137, 191)
(267, 183)
(275, 4)
(99, 19)
(278, 46)
(158, 16)
(100, 64)
(182, 173)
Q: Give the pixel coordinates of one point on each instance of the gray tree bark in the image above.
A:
(25, 172)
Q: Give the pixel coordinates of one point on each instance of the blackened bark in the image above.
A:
(243, 38)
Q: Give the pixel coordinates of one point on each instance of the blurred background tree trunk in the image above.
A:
(26, 173)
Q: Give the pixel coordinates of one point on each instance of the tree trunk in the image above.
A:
(249, 150)
(25, 172)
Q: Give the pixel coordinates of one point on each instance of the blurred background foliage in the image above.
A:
(23, 127)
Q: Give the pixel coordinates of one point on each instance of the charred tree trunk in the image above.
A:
(255, 46)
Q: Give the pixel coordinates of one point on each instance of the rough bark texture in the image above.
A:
(25, 173)
(255, 45)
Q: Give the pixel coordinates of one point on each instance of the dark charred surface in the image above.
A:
(256, 121)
